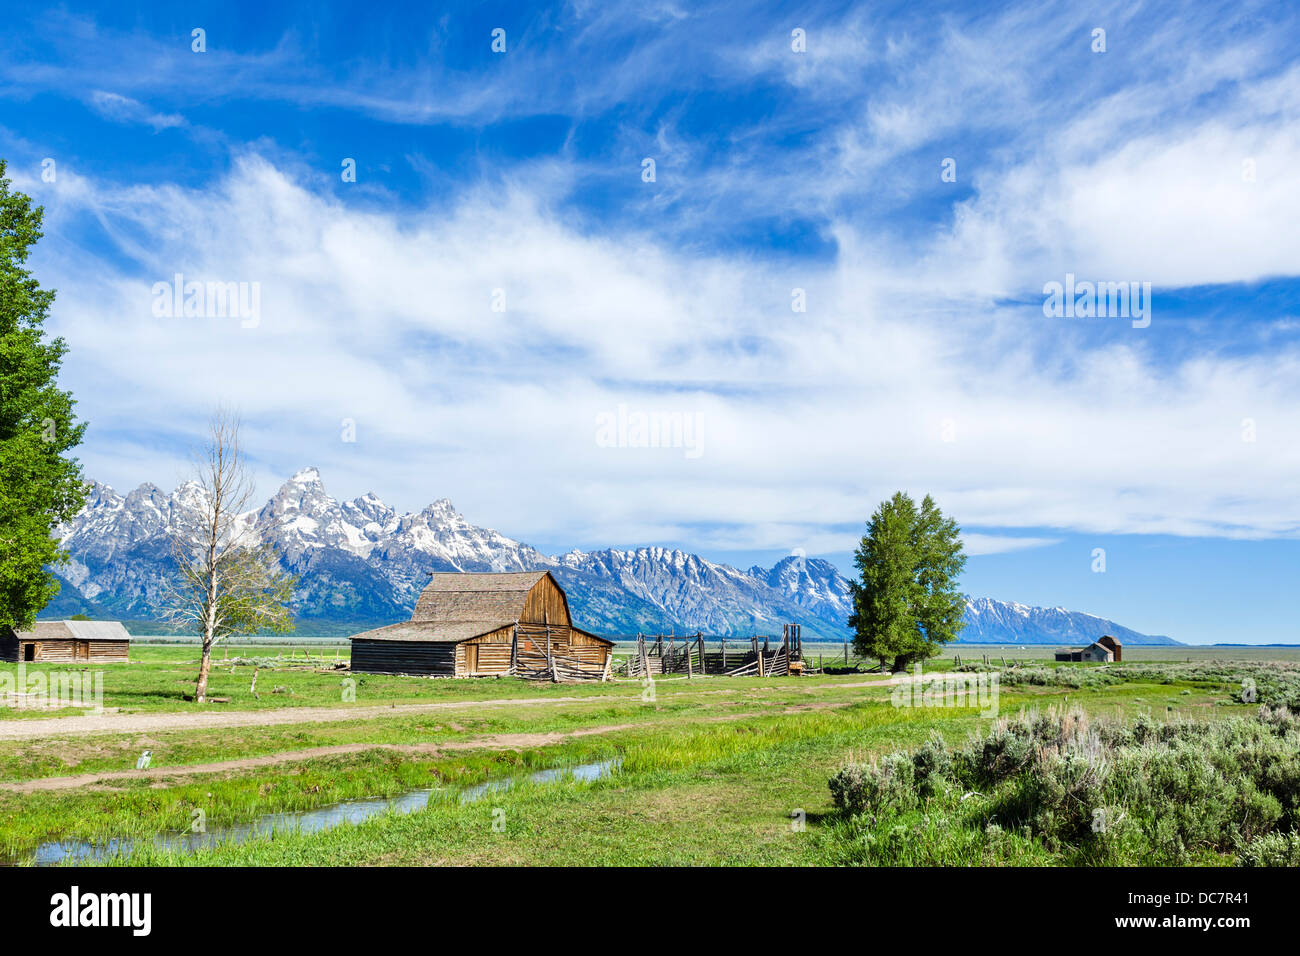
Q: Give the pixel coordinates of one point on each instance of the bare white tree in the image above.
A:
(225, 582)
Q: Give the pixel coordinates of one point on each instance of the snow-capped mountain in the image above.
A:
(360, 563)
(1004, 622)
(812, 584)
(691, 593)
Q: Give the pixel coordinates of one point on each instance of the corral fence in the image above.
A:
(692, 655)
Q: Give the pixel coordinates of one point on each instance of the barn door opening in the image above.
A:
(29, 652)
(471, 658)
(83, 650)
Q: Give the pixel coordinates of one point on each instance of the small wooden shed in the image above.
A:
(473, 625)
(1096, 652)
(67, 642)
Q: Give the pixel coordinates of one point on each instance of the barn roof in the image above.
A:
(465, 598)
(456, 606)
(433, 632)
(75, 631)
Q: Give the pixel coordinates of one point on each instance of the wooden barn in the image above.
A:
(478, 625)
(1098, 652)
(67, 642)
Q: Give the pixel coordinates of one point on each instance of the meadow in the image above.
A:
(704, 771)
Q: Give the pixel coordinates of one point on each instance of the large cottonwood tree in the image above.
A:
(906, 604)
(41, 484)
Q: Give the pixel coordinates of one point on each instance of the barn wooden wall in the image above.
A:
(545, 604)
(404, 657)
(494, 649)
(493, 653)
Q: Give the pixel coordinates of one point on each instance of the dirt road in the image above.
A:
(84, 725)
(143, 723)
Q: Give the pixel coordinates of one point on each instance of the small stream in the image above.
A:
(303, 821)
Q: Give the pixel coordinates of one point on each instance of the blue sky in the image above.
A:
(923, 358)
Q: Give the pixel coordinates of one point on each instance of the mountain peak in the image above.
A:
(306, 476)
(442, 508)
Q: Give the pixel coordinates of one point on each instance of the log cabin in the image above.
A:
(493, 624)
(67, 642)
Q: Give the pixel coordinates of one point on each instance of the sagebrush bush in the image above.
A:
(1275, 683)
(1133, 792)
(888, 783)
(932, 767)
(1271, 849)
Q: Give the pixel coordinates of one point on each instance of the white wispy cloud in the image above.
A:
(806, 420)
(123, 109)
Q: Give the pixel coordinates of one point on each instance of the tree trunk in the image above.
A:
(901, 662)
(201, 691)
(209, 627)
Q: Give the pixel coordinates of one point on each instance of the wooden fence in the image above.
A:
(733, 657)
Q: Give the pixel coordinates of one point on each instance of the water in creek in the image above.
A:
(303, 821)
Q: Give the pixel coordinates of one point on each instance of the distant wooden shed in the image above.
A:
(67, 642)
(475, 625)
(1097, 652)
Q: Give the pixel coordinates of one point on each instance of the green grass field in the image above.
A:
(713, 770)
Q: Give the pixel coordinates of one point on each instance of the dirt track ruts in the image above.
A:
(84, 725)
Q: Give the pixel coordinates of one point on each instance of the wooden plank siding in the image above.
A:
(404, 657)
(546, 604)
(71, 652)
(493, 654)
(67, 652)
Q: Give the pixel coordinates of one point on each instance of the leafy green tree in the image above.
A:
(40, 483)
(906, 604)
